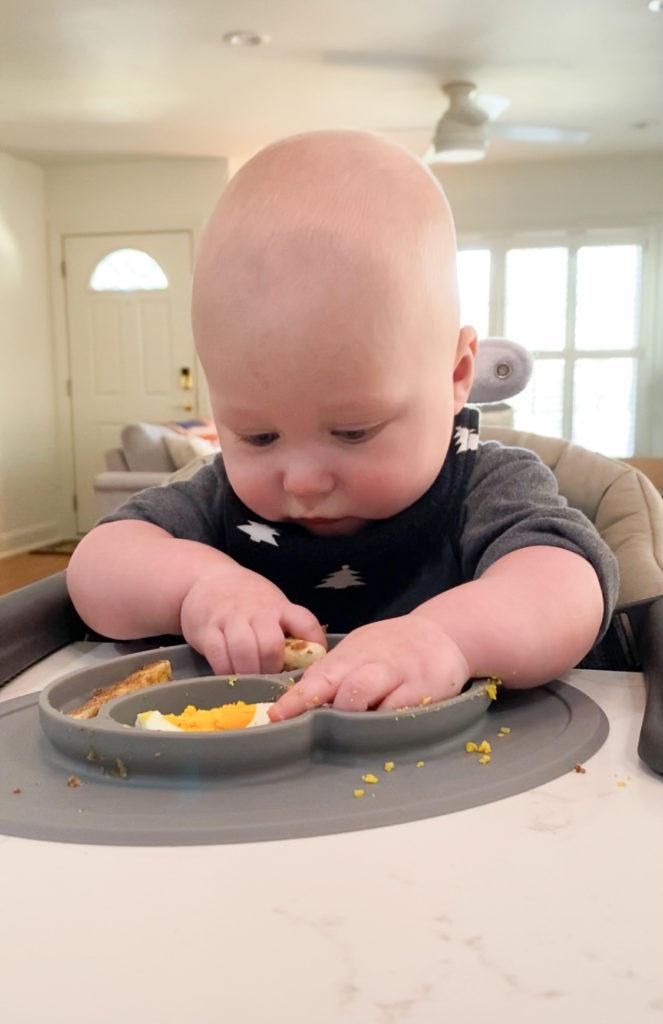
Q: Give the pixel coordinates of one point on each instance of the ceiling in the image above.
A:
(84, 79)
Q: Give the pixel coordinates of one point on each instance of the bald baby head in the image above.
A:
(328, 240)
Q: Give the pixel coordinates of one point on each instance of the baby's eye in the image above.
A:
(258, 440)
(356, 435)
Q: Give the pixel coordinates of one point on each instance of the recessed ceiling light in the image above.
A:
(244, 37)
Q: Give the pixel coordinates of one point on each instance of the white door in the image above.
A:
(130, 343)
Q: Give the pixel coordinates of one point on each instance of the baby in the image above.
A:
(352, 489)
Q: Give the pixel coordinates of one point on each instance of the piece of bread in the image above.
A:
(300, 653)
(148, 675)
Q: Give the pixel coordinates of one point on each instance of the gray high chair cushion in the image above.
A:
(623, 504)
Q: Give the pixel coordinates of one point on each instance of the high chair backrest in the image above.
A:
(623, 504)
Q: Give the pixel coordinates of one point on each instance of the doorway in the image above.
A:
(131, 348)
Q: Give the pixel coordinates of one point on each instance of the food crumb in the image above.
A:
(622, 785)
(121, 768)
(232, 680)
(359, 792)
(389, 766)
(580, 770)
(420, 764)
(74, 781)
(425, 700)
(491, 687)
(485, 747)
(485, 759)
(17, 790)
(504, 731)
(370, 778)
(470, 747)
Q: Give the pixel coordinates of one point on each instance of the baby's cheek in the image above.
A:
(252, 487)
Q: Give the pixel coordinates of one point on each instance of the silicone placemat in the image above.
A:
(47, 795)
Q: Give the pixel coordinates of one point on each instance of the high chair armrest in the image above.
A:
(35, 621)
(650, 745)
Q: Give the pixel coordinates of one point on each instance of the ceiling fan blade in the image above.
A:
(493, 105)
(536, 133)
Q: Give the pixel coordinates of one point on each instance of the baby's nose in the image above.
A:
(307, 476)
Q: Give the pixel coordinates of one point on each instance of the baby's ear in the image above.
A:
(463, 374)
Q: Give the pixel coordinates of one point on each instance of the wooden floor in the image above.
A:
(19, 570)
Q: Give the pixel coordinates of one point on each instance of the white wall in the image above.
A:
(609, 191)
(30, 497)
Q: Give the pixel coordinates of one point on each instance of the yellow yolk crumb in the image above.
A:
(359, 792)
(491, 690)
(485, 747)
(470, 747)
(420, 764)
(369, 777)
(485, 759)
(504, 731)
(425, 700)
(228, 716)
(389, 766)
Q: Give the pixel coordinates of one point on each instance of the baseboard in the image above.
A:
(36, 535)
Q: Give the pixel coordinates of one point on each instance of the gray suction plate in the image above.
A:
(102, 781)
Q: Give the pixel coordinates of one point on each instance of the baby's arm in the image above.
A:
(132, 579)
(530, 616)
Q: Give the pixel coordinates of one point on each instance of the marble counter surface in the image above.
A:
(543, 908)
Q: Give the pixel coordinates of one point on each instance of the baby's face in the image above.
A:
(325, 312)
(332, 444)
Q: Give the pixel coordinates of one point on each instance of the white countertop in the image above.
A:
(543, 908)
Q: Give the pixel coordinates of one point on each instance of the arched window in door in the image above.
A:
(128, 270)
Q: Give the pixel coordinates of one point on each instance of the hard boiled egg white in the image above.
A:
(192, 719)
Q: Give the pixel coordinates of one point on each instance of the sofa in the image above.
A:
(149, 454)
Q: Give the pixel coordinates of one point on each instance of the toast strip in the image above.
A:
(148, 675)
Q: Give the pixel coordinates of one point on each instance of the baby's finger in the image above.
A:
(211, 643)
(300, 622)
(242, 645)
(366, 686)
(316, 687)
(411, 695)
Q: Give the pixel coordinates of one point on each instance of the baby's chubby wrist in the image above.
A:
(453, 645)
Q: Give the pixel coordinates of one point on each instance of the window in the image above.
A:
(128, 270)
(576, 305)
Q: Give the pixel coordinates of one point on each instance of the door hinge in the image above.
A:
(63, 268)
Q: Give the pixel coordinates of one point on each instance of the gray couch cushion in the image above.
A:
(144, 448)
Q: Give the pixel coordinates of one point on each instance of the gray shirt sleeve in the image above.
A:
(513, 502)
(190, 510)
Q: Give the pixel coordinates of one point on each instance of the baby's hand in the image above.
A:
(396, 663)
(238, 620)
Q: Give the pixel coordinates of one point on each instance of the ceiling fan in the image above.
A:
(464, 131)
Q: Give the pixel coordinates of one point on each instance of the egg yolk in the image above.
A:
(228, 716)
